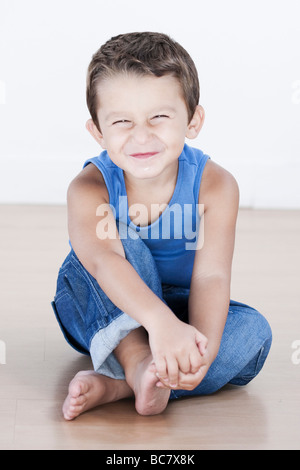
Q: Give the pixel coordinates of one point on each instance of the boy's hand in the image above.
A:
(189, 381)
(176, 347)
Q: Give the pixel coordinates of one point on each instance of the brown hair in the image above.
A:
(144, 53)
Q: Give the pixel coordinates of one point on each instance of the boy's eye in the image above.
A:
(121, 121)
(159, 116)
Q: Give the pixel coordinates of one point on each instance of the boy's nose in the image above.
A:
(141, 134)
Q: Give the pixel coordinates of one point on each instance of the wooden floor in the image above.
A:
(39, 363)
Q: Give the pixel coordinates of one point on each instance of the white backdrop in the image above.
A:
(248, 57)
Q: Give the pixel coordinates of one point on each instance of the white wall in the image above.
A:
(248, 57)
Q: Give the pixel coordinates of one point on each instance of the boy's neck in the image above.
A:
(155, 185)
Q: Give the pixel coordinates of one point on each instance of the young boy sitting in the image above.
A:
(145, 289)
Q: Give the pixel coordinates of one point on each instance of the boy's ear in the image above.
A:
(94, 131)
(196, 123)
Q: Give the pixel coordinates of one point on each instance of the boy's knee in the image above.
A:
(256, 346)
(264, 330)
(252, 369)
(253, 324)
(261, 337)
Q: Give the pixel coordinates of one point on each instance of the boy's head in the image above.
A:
(145, 53)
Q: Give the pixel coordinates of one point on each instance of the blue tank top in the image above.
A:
(172, 238)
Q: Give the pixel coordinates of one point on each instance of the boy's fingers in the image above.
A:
(202, 344)
(172, 366)
(202, 347)
(195, 361)
(187, 381)
(184, 364)
(191, 381)
(161, 385)
(161, 368)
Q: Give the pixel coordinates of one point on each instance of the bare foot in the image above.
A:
(89, 389)
(149, 399)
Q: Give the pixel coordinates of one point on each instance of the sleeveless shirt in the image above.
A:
(172, 238)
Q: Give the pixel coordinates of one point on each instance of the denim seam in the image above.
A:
(174, 394)
(247, 377)
(94, 292)
(95, 326)
(61, 294)
(95, 331)
(64, 268)
(64, 330)
(103, 338)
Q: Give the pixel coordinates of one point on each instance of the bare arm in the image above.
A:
(210, 285)
(104, 258)
(172, 342)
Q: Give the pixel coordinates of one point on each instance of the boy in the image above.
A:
(145, 289)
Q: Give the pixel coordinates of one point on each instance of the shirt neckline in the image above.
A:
(174, 196)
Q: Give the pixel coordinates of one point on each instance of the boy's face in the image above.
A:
(143, 122)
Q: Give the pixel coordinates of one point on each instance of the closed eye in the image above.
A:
(121, 121)
(158, 116)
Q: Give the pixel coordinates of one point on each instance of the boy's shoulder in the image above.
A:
(218, 185)
(88, 182)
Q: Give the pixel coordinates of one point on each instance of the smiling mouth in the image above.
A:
(143, 155)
